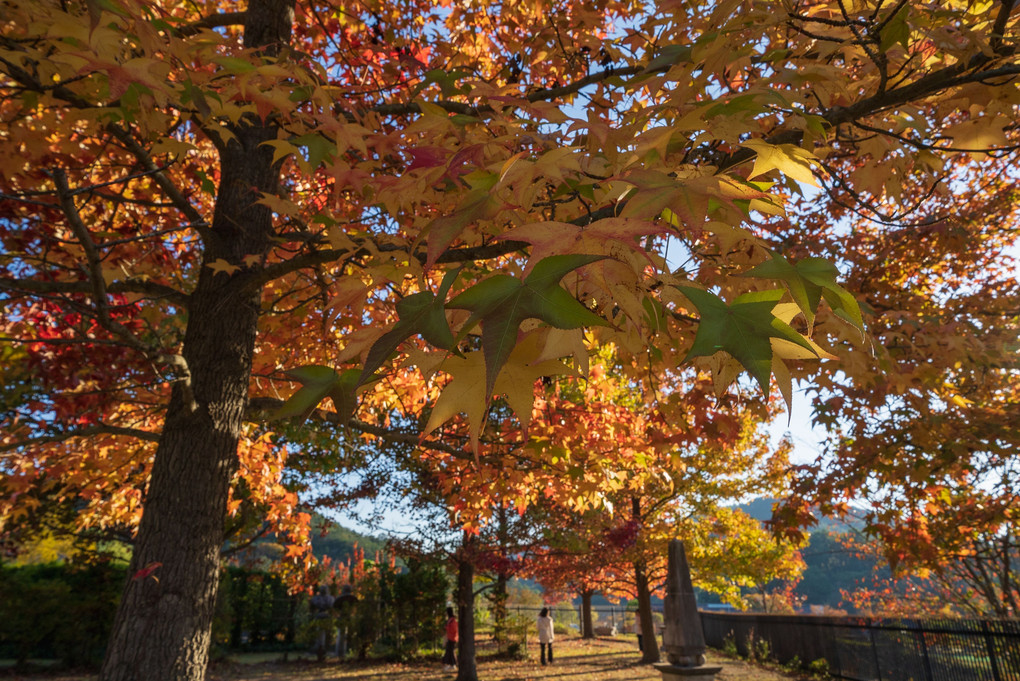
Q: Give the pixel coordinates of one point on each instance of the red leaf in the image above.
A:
(146, 571)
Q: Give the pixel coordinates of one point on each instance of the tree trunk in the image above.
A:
(587, 626)
(467, 669)
(650, 642)
(499, 595)
(497, 601)
(163, 625)
(239, 599)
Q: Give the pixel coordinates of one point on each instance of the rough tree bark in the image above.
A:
(162, 628)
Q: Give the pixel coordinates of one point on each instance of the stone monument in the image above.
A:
(682, 639)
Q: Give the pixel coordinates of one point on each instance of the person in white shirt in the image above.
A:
(545, 635)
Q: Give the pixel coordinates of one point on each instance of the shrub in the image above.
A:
(59, 611)
(729, 646)
(819, 667)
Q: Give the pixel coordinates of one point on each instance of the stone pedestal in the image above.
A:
(671, 672)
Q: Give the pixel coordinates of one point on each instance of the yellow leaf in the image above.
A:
(221, 265)
(563, 342)
(785, 349)
(517, 378)
(279, 205)
(960, 401)
(465, 393)
(174, 147)
(783, 380)
(789, 159)
(282, 149)
(979, 134)
(338, 240)
(509, 164)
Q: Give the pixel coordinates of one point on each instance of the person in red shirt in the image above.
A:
(450, 658)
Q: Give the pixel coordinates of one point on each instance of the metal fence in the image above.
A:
(866, 649)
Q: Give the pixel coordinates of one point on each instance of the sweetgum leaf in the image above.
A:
(318, 383)
(743, 329)
(809, 280)
(501, 303)
(423, 313)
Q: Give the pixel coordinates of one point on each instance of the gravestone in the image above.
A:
(683, 641)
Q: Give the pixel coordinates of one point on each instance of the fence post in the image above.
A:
(838, 662)
(874, 649)
(924, 651)
(991, 651)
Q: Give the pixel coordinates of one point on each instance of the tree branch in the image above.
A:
(541, 95)
(95, 265)
(999, 28)
(102, 429)
(147, 288)
(62, 92)
(220, 20)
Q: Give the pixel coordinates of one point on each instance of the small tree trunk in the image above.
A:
(239, 599)
(650, 642)
(587, 626)
(498, 600)
(468, 666)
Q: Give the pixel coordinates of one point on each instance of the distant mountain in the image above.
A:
(830, 568)
(761, 509)
(338, 542)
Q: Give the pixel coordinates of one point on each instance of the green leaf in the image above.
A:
(896, 31)
(809, 280)
(501, 303)
(668, 57)
(235, 65)
(319, 148)
(345, 394)
(317, 382)
(743, 329)
(446, 80)
(422, 313)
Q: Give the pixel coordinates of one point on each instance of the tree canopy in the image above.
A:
(213, 214)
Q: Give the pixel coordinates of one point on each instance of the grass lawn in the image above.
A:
(603, 659)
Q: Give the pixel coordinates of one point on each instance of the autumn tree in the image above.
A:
(412, 207)
(740, 559)
(922, 436)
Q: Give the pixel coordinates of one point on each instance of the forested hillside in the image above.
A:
(338, 542)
